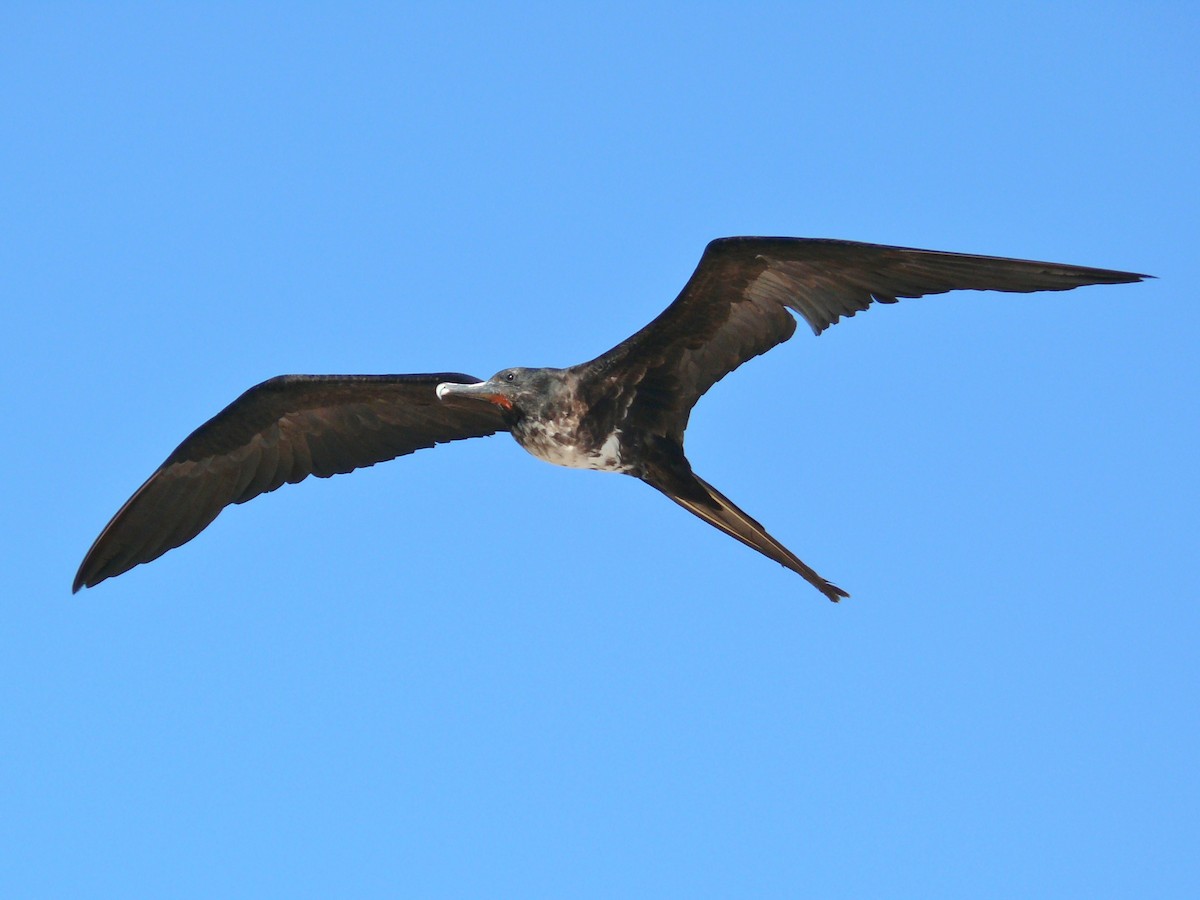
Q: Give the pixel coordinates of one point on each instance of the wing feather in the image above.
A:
(279, 432)
(738, 304)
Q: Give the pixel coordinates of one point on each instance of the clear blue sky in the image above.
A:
(467, 673)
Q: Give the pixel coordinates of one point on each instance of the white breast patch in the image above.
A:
(606, 458)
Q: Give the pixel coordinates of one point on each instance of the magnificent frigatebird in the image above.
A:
(625, 411)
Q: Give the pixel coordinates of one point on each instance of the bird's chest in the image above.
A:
(563, 443)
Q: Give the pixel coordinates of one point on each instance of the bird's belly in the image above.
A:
(556, 449)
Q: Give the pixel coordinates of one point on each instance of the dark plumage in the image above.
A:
(625, 411)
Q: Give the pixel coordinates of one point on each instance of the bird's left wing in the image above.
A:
(278, 432)
(738, 304)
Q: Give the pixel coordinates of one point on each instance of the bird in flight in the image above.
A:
(625, 411)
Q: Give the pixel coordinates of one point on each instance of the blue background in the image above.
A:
(469, 673)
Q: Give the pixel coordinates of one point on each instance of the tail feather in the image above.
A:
(705, 501)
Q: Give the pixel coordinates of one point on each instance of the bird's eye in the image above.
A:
(509, 377)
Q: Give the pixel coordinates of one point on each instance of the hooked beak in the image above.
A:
(482, 390)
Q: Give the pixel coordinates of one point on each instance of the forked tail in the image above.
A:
(701, 498)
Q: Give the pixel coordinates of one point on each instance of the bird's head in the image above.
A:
(515, 391)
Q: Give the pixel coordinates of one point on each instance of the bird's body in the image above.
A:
(563, 428)
(562, 442)
(625, 411)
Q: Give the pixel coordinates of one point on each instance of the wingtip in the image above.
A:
(86, 577)
(1129, 277)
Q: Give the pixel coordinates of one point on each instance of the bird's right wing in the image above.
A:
(739, 303)
(278, 432)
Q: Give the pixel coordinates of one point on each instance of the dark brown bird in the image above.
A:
(625, 411)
